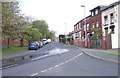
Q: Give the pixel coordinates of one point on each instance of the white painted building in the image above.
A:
(111, 25)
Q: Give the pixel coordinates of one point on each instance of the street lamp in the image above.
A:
(66, 31)
(85, 25)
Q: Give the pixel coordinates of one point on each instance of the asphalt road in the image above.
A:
(64, 61)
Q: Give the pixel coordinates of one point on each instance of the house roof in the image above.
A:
(82, 19)
(112, 5)
(100, 6)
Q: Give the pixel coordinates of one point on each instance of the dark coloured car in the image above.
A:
(33, 46)
(37, 42)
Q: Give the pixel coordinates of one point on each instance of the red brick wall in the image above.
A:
(5, 42)
(104, 45)
(97, 18)
(12, 42)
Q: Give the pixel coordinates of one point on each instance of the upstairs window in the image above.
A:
(92, 13)
(93, 25)
(75, 28)
(112, 18)
(84, 27)
(105, 20)
(96, 11)
(79, 25)
(87, 26)
(97, 24)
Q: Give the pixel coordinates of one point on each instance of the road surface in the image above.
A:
(64, 60)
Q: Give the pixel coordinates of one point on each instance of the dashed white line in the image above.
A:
(50, 68)
(9, 66)
(80, 54)
(76, 56)
(43, 71)
(34, 74)
(56, 65)
(66, 61)
(70, 59)
(61, 63)
(73, 58)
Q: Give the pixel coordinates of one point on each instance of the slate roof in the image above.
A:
(112, 5)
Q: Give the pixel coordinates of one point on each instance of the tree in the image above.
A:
(96, 35)
(32, 34)
(24, 24)
(42, 26)
(10, 17)
(51, 35)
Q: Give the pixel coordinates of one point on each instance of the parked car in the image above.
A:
(49, 40)
(37, 42)
(41, 44)
(33, 46)
(44, 41)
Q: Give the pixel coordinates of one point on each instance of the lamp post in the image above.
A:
(66, 32)
(85, 25)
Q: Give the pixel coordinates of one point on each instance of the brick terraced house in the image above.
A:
(101, 29)
(87, 26)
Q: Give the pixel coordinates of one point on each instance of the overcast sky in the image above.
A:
(58, 12)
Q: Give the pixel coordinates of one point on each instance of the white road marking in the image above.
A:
(9, 66)
(76, 56)
(56, 65)
(70, 59)
(80, 54)
(73, 58)
(61, 63)
(43, 71)
(50, 68)
(34, 74)
(66, 61)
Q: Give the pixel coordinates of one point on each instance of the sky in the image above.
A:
(61, 15)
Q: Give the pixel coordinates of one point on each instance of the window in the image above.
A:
(79, 25)
(97, 24)
(111, 18)
(87, 26)
(105, 20)
(92, 13)
(112, 29)
(84, 27)
(76, 27)
(96, 11)
(92, 24)
(80, 35)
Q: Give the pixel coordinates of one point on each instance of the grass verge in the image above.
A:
(113, 53)
(13, 49)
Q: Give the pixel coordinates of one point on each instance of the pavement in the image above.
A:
(102, 55)
(96, 53)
